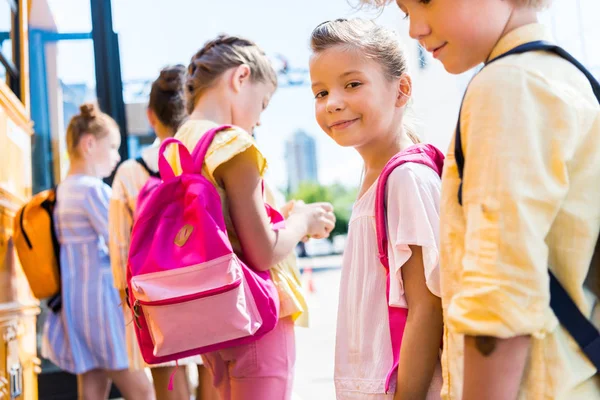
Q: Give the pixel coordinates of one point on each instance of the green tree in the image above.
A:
(337, 194)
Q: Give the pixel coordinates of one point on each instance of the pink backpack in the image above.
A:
(430, 156)
(188, 291)
(151, 184)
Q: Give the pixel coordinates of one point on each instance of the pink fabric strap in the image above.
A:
(199, 153)
(277, 220)
(172, 377)
(165, 170)
(420, 154)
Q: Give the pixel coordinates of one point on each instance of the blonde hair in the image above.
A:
(375, 3)
(536, 4)
(219, 55)
(90, 120)
(371, 40)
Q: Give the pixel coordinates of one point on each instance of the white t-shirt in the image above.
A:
(363, 345)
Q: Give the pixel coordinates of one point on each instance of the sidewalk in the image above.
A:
(315, 346)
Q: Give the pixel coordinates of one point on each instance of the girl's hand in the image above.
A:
(319, 218)
(287, 209)
(263, 247)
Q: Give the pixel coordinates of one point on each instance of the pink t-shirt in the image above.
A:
(363, 345)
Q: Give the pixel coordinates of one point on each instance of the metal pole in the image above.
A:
(42, 161)
(109, 85)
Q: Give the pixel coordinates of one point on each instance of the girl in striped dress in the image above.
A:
(87, 337)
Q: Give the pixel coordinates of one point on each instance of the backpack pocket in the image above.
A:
(196, 306)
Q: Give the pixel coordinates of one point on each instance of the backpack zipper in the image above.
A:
(191, 297)
(181, 299)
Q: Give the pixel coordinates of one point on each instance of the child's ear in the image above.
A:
(240, 75)
(151, 118)
(86, 144)
(404, 90)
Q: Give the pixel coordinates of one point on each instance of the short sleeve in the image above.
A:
(413, 219)
(229, 143)
(96, 205)
(226, 145)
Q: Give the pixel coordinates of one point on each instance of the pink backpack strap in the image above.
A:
(164, 168)
(421, 154)
(199, 153)
(277, 220)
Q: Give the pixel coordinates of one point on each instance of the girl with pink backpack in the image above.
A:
(230, 82)
(166, 112)
(390, 315)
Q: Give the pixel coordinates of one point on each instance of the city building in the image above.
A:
(301, 160)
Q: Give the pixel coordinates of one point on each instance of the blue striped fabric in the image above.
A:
(89, 332)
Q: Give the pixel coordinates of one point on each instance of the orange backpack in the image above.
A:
(37, 245)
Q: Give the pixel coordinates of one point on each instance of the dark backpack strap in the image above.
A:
(154, 174)
(570, 317)
(54, 303)
(524, 48)
(48, 205)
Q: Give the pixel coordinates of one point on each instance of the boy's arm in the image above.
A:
(494, 367)
(516, 140)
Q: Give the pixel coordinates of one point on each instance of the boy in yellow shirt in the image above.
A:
(530, 136)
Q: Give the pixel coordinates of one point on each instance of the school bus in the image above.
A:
(19, 363)
(35, 106)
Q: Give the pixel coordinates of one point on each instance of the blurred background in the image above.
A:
(57, 54)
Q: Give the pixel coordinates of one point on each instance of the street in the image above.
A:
(315, 346)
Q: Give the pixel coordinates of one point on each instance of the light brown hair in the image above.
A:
(90, 120)
(218, 56)
(536, 4)
(167, 97)
(371, 40)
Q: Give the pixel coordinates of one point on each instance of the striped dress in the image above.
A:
(89, 332)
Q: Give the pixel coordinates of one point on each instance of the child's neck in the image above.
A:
(377, 154)
(214, 107)
(520, 17)
(162, 132)
(79, 166)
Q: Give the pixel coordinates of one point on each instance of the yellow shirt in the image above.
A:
(129, 180)
(531, 138)
(226, 145)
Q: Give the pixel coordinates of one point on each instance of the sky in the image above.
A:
(154, 33)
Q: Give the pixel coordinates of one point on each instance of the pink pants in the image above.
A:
(260, 370)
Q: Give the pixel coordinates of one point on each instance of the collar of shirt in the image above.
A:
(519, 36)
